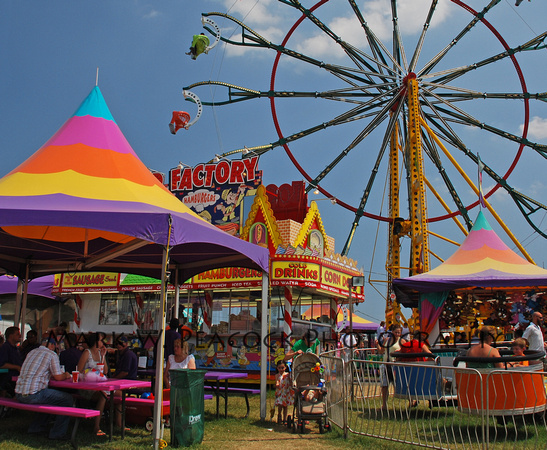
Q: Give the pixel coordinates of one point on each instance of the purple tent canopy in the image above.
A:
(40, 286)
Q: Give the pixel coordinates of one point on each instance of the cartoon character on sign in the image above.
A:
(242, 357)
(258, 235)
(232, 201)
(279, 352)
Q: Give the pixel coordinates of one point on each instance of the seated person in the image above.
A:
(29, 344)
(484, 349)
(32, 387)
(518, 346)
(126, 368)
(199, 45)
(415, 345)
(71, 355)
(181, 359)
(10, 359)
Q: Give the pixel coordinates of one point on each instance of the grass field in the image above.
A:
(235, 432)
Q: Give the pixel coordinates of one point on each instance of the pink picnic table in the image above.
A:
(221, 375)
(111, 385)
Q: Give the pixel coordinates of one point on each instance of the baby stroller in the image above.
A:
(309, 393)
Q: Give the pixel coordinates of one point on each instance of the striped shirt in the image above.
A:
(39, 366)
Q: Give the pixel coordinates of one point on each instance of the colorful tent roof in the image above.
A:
(40, 286)
(483, 260)
(85, 201)
(359, 323)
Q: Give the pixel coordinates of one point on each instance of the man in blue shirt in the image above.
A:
(126, 368)
(127, 363)
(10, 358)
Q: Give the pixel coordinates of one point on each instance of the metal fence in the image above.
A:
(435, 405)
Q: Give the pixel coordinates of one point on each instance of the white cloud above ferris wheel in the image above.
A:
(537, 128)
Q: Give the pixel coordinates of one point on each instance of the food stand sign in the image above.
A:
(225, 277)
(85, 282)
(215, 191)
(295, 273)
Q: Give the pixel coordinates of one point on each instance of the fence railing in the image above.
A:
(434, 405)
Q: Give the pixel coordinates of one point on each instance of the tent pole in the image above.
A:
(18, 297)
(263, 346)
(24, 305)
(158, 394)
(177, 294)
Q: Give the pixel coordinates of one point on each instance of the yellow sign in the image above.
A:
(89, 280)
(295, 270)
(227, 274)
(335, 279)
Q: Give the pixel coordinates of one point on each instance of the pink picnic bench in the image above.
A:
(140, 410)
(77, 413)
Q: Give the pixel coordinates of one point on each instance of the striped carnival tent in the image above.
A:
(483, 260)
(84, 201)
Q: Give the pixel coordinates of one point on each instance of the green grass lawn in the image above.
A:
(235, 432)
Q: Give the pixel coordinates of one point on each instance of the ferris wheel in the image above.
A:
(414, 114)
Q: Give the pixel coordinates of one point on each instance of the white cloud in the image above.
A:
(271, 21)
(537, 128)
(151, 14)
(377, 14)
(252, 11)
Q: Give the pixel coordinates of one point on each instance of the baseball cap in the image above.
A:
(122, 340)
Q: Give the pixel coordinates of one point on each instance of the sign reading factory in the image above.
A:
(215, 191)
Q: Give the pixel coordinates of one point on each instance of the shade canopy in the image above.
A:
(482, 261)
(40, 286)
(84, 201)
(359, 323)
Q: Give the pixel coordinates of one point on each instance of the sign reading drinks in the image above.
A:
(215, 191)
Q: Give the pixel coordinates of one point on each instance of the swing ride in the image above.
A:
(418, 110)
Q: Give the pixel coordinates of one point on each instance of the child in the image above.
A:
(283, 392)
(518, 346)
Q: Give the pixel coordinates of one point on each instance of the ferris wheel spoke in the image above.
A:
(528, 206)
(476, 19)
(460, 116)
(377, 48)
(541, 149)
(425, 28)
(446, 76)
(393, 120)
(432, 152)
(378, 119)
(398, 48)
(357, 56)
(461, 94)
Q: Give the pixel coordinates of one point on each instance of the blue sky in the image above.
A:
(52, 49)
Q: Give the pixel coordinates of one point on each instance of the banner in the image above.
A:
(215, 191)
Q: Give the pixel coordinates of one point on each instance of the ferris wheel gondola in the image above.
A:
(181, 119)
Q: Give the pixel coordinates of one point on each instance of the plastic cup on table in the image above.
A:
(100, 367)
(75, 375)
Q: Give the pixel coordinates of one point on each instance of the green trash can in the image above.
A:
(187, 407)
